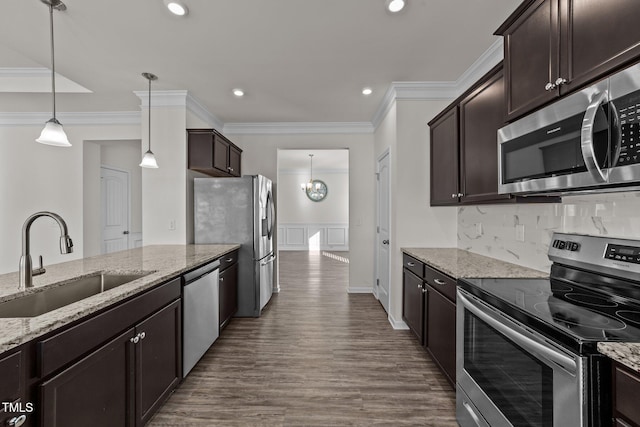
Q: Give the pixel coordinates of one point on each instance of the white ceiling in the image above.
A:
(297, 60)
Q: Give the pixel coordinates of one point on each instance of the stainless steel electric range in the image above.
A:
(526, 348)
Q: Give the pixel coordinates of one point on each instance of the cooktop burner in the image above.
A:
(593, 300)
(629, 316)
(564, 313)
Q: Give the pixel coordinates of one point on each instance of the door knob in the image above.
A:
(125, 232)
(385, 242)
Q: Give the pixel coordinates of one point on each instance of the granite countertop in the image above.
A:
(627, 354)
(459, 263)
(161, 262)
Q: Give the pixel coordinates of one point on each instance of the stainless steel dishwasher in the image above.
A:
(200, 313)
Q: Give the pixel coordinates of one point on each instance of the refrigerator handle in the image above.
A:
(270, 215)
(269, 261)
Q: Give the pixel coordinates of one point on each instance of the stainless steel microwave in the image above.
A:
(588, 141)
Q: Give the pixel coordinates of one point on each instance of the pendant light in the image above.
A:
(149, 159)
(307, 186)
(53, 134)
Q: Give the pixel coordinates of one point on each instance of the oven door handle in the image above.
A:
(522, 340)
(586, 138)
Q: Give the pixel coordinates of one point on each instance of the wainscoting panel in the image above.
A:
(303, 237)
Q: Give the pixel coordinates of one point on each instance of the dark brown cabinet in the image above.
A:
(228, 288)
(429, 309)
(464, 145)
(412, 299)
(12, 387)
(96, 391)
(209, 152)
(626, 387)
(553, 47)
(158, 359)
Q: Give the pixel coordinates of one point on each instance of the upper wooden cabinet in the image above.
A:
(444, 158)
(211, 153)
(553, 47)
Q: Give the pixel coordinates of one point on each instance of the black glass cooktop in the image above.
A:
(570, 308)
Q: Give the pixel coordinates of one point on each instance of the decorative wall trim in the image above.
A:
(397, 324)
(304, 237)
(298, 128)
(81, 119)
(359, 289)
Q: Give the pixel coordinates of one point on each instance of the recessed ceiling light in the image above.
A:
(394, 6)
(176, 7)
(238, 92)
(367, 91)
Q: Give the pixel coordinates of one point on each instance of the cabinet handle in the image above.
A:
(560, 81)
(454, 195)
(439, 282)
(228, 260)
(549, 86)
(17, 421)
(410, 264)
(142, 335)
(135, 339)
(460, 195)
(221, 279)
(424, 290)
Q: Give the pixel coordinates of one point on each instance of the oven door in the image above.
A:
(508, 374)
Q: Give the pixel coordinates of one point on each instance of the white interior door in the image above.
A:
(115, 209)
(383, 232)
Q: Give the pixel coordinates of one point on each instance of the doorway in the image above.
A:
(383, 260)
(310, 224)
(114, 190)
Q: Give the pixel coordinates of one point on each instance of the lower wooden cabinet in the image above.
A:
(96, 391)
(626, 388)
(429, 309)
(158, 358)
(440, 326)
(228, 294)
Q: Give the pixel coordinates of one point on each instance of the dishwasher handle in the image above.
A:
(199, 272)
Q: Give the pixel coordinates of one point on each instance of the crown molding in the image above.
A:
(201, 112)
(162, 98)
(298, 128)
(489, 59)
(83, 118)
(305, 171)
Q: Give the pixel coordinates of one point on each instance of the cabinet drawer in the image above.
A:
(64, 347)
(228, 260)
(413, 265)
(440, 282)
(627, 386)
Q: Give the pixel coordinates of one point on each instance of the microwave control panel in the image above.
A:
(628, 109)
(623, 253)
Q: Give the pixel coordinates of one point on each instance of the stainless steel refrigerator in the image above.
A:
(240, 210)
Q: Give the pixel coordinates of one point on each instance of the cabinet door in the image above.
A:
(482, 113)
(158, 360)
(96, 391)
(235, 156)
(597, 36)
(200, 151)
(220, 154)
(444, 159)
(440, 327)
(228, 294)
(413, 303)
(531, 45)
(12, 377)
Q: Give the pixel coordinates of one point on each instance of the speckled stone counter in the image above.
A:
(626, 353)
(458, 263)
(162, 262)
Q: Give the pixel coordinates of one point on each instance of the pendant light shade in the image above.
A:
(307, 186)
(53, 134)
(149, 159)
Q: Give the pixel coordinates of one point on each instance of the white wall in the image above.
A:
(295, 206)
(36, 177)
(613, 215)
(414, 223)
(92, 199)
(260, 157)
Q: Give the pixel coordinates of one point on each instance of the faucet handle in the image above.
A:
(39, 270)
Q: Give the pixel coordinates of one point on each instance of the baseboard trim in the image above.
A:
(360, 290)
(397, 324)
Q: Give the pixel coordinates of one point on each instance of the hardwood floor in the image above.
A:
(318, 356)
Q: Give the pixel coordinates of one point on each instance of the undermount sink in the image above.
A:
(38, 303)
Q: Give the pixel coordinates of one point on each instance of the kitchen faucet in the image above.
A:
(66, 247)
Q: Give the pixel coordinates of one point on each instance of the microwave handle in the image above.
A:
(616, 132)
(586, 138)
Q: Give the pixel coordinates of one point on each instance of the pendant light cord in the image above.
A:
(53, 61)
(149, 114)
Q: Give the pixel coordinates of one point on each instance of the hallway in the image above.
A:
(317, 356)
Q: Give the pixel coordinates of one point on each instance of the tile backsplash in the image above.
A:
(521, 233)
